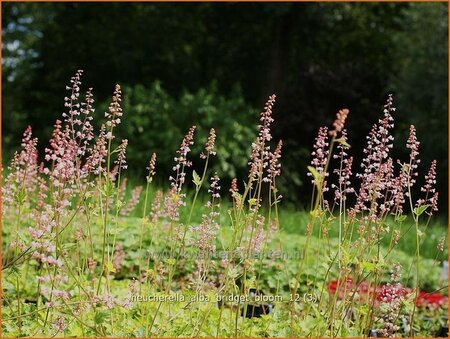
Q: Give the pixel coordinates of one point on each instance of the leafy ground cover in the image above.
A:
(87, 254)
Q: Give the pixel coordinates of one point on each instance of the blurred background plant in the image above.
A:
(215, 64)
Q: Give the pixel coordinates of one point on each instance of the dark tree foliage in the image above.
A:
(317, 58)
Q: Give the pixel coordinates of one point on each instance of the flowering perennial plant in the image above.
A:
(66, 225)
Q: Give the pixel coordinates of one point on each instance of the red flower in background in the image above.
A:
(387, 292)
(432, 300)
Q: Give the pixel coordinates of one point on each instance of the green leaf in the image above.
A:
(170, 261)
(20, 196)
(343, 142)
(419, 210)
(110, 267)
(252, 201)
(196, 178)
(368, 266)
(233, 273)
(114, 231)
(107, 190)
(100, 317)
(119, 204)
(400, 218)
(316, 213)
(317, 177)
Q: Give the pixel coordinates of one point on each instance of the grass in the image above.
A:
(294, 221)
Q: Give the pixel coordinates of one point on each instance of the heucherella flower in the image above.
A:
(132, 203)
(343, 172)
(71, 137)
(259, 156)
(266, 120)
(320, 153)
(181, 161)
(59, 325)
(91, 264)
(396, 272)
(86, 132)
(151, 167)
(233, 187)
(210, 144)
(174, 199)
(259, 236)
(377, 168)
(234, 191)
(97, 158)
(413, 145)
(214, 188)
(172, 204)
(433, 203)
(396, 237)
(430, 179)
(339, 123)
(114, 111)
(274, 168)
(121, 159)
(379, 141)
(431, 196)
(155, 213)
(46, 291)
(43, 237)
(118, 258)
(113, 173)
(207, 231)
(23, 171)
(441, 243)
(71, 102)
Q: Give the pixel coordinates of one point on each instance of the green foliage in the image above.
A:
(422, 80)
(157, 122)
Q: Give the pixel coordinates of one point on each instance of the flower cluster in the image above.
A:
(377, 167)
(320, 153)
(121, 158)
(413, 145)
(132, 203)
(339, 123)
(431, 196)
(43, 238)
(259, 156)
(114, 111)
(210, 144)
(207, 230)
(156, 207)
(343, 172)
(97, 158)
(181, 160)
(173, 201)
(71, 138)
(118, 258)
(151, 167)
(274, 169)
(392, 298)
(23, 172)
(259, 237)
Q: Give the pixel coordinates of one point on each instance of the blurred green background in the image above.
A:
(214, 65)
